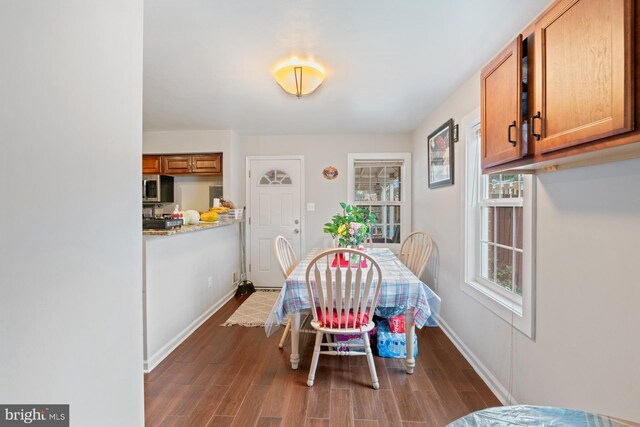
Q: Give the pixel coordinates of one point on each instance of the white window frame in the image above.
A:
(405, 189)
(519, 311)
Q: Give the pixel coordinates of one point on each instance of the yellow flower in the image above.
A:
(342, 229)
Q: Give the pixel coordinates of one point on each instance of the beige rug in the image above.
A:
(255, 310)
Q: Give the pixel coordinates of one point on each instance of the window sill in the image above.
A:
(509, 311)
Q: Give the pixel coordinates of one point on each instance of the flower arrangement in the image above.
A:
(352, 227)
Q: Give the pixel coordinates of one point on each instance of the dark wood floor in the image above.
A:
(236, 376)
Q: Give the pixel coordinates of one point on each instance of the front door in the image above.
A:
(275, 195)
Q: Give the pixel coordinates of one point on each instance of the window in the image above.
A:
(382, 183)
(275, 177)
(499, 246)
(501, 230)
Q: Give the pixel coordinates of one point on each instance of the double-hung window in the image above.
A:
(501, 205)
(381, 182)
(499, 250)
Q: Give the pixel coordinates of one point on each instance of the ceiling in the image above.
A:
(208, 64)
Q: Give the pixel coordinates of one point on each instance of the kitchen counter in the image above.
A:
(191, 228)
(186, 278)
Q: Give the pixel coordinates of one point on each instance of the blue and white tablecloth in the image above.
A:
(400, 288)
(536, 416)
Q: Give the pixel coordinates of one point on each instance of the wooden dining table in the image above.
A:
(400, 289)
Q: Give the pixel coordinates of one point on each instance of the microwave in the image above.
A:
(157, 189)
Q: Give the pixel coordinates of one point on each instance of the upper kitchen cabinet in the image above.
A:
(197, 164)
(583, 85)
(176, 165)
(501, 107)
(206, 164)
(565, 92)
(151, 165)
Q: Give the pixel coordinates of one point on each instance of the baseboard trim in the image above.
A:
(485, 374)
(160, 355)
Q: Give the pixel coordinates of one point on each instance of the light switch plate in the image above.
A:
(311, 207)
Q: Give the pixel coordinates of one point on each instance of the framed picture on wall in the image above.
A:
(440, 156)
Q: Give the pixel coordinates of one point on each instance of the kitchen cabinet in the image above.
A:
(176, 165)
(583, 69)
(198, 164)
(500, 95)
(564, 90)
(206, 164)
(151, 165)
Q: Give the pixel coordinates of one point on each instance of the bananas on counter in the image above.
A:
(220, 209)
(209, 216)
(212, 214)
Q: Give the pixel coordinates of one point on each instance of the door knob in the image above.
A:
(296, 222)
(296, 231)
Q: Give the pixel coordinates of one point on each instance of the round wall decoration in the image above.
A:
(330, 172)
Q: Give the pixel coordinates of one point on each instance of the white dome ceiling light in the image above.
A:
(299, 77)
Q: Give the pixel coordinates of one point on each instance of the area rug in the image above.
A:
(255, 310)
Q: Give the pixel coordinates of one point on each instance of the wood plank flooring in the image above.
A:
(236, 376)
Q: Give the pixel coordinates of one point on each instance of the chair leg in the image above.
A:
(314, 359)
(372, 366)
(285, 333)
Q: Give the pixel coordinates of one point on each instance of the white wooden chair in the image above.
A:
(284, 254)
(343, 300)
(287, 261)
(415, 251)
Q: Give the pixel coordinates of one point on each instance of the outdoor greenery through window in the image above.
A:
(501, 247)
(378, 188)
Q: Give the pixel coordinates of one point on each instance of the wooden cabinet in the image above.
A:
(206, 164)
(583, 68)
(151, 165)
(196, 164)
(176, 165)
(500, 95)
(567, 86)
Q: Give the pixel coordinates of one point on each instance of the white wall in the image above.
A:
(187, 278)
(320, 151)
(586, 350)
(200, 141)
(70, 147)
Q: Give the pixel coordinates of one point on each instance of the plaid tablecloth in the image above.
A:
(400, 288)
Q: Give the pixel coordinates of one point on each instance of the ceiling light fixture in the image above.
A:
(299, 77)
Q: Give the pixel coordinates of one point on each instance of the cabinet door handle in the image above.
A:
(512, 125)
(532, 124)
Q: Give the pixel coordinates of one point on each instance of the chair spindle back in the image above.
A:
(285, 255)
(351, 289)
(415, 251)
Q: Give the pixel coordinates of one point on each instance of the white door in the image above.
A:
(275, 197)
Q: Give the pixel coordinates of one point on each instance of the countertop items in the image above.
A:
(191, 228)
(161, 223)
